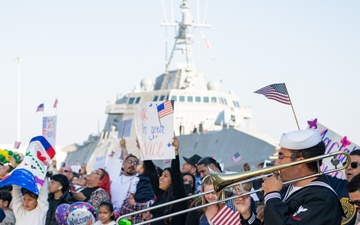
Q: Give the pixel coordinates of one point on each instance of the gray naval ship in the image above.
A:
(207, 121)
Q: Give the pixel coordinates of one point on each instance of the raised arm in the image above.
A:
(154, 178)
(176, 178)
(123, 149)
(43, 202)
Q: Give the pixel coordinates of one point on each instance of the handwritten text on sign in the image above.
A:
(155, 129)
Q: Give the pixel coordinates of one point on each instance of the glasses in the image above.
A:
(353, 165)
(135, 162)
(96, 172)
(357, 203)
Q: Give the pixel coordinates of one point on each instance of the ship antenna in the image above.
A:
(183, 39)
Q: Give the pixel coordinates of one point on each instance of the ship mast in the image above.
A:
(183, 39)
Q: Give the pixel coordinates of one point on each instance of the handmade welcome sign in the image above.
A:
(31, 172)
(154, 123)
(333, 142)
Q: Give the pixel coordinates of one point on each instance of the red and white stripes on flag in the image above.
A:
(40, 108)
(276, 92)
(165, 109)
(17, 144)
(55, 103)
(226, 216)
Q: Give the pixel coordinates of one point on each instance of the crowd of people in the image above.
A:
(145, 192)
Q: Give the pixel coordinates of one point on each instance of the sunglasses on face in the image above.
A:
(353, 165)
(357, 203)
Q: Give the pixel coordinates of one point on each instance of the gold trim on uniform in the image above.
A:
(349, 210)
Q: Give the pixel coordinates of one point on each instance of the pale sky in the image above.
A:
(87, 52)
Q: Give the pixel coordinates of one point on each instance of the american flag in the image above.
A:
(207, 43)
(17, 144)
(236, 158)
(276, 92)
(226, 216)
(40, 108)
(164, 109)
(55, 103)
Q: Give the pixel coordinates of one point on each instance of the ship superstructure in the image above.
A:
(207, 121)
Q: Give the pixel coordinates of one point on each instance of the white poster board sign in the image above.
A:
(113, 167)
(49, 129)
(334, 143)
(154, 123)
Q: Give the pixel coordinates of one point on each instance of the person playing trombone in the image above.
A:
(310, 200)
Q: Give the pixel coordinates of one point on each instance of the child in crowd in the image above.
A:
(30, 208)
(5, 200)
(105, 214)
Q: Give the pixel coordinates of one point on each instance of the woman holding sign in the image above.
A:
(168, 187)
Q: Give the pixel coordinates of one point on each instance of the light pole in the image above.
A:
(18, 60)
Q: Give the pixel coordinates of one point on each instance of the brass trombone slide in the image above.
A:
(223, 181)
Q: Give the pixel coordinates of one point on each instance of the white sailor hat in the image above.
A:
(300, 139)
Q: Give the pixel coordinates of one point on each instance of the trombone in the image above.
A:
(224, 181)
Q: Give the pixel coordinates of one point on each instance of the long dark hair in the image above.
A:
(110, 207)
(169, 194)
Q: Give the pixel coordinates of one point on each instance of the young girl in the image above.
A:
(106, 214)
(197, 217)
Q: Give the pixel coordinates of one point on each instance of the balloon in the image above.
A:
(4, 156)
(61, 214)
(80, 213)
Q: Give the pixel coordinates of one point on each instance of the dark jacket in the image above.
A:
(316, 203)
(339, 185)
(178, 189)
(144, 191)
(66, 198)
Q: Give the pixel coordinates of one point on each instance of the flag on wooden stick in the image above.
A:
(279, 93)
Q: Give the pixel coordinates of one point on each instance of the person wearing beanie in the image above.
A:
(58, 194)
